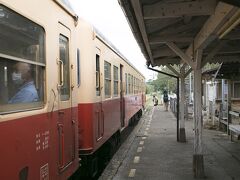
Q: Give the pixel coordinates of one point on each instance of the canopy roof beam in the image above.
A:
(173, 70)
(138, 12)
(153, 40)
(210, 30)
(172, 10)
(180, 53)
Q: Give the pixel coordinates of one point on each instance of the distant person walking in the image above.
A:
(155, 100)
(165, 99)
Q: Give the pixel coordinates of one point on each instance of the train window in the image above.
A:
(22, 63)
(78, 68)
(107, 77)
(138, 85)
(129, 84)
(97, 75)
(22, 38)
(115, 78)
(134, 85)
(64, 57)
(126, 83)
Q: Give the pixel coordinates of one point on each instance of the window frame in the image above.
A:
(22, 107)
(108, 80)
(98, 89)
(115, 80)
(233, 89)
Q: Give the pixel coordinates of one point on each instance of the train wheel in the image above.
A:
(89, 166)
(141, 112)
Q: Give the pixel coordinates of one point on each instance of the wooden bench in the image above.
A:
(224, 121)
(234, 113)
(234, 128)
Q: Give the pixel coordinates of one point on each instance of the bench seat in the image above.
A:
(234, 128)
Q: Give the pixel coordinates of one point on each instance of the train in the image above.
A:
(66, 92)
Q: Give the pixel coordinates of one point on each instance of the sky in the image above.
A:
(107, 16)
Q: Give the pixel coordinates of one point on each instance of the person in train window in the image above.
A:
(22, 77)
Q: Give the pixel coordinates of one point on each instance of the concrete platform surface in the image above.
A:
(152, 152)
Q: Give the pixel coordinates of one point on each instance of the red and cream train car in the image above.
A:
(64, 91)
(38, 108)
(111, 94)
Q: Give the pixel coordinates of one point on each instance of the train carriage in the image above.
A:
(111, 94)
(65, 91)
(38, 114)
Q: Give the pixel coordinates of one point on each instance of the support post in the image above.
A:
(198, 165)
(229, 102)
(214, 104)
(178, 110)
(182, 134)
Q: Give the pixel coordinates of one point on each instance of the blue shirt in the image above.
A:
(27, 93)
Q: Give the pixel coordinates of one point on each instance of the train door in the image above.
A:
(99, 107)
(122, 105)
(66, 130)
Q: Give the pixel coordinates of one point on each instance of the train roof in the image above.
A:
(67, 3)
(66, 6)
(108, 43)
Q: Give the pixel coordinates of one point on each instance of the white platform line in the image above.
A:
(139, 149)
(136, 159)
(132, 173)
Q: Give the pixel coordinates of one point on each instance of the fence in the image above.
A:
(173, 105)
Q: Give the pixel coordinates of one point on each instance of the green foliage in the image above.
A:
(149, 88)
(163, 82)
(210, 66)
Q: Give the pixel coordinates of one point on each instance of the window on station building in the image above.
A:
(97, 75)
(22, 63)
(236, 89)
(107, 78)
(218, 90)
(115, 78)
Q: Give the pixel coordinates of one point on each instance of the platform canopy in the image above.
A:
(170, 31)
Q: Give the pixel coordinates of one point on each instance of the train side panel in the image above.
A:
(31, 141)
(100, 113)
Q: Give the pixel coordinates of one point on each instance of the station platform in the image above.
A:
(152, 152)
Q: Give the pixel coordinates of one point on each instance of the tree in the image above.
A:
(149, 88)
(164, 82)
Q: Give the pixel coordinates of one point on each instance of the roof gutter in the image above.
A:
(131, 19)
(67, 10)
